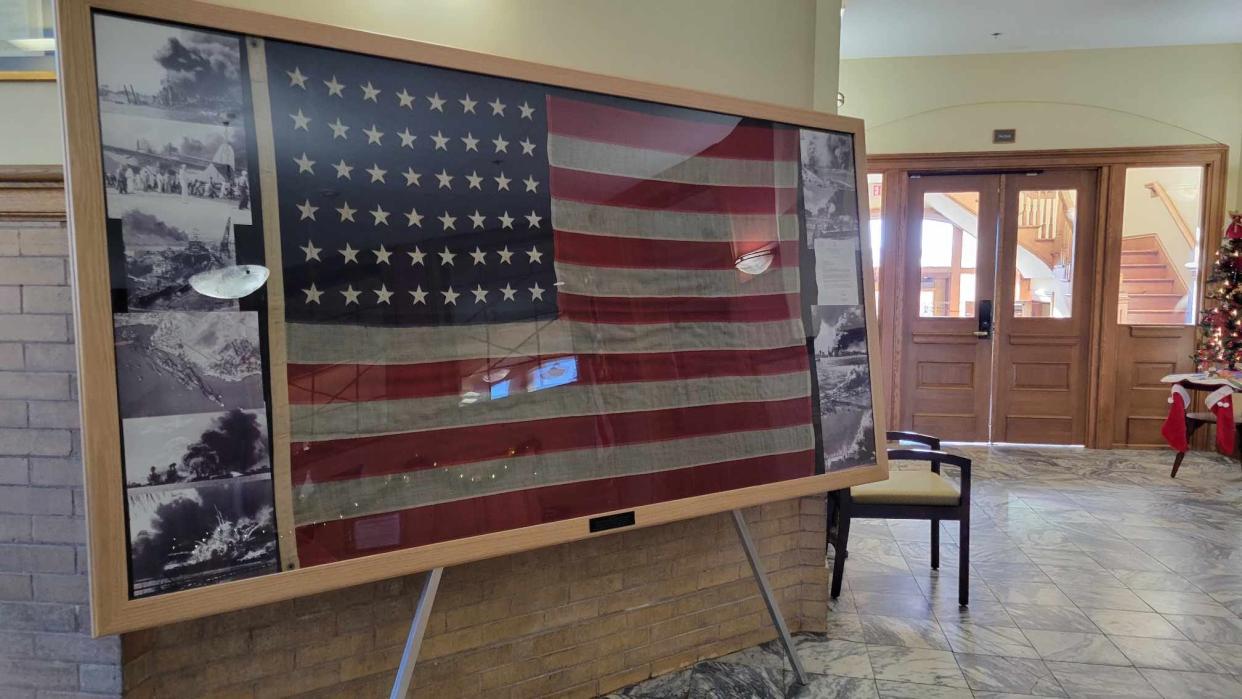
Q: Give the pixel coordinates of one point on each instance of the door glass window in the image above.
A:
(1043, 284)
(949, 252)
(1161, 230)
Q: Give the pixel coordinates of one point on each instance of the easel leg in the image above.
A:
(756, 566)
(418, 627)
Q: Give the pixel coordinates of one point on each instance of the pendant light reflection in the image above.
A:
(756, 262)
(233, 282)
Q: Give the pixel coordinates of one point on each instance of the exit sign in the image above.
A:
(1004, 136)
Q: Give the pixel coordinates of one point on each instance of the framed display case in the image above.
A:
(352, 307)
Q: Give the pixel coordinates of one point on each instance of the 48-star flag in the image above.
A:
(510, 304)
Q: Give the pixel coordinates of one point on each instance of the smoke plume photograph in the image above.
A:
(172, 119)
(829, 190)
(844, 382)
(188, 448)
(180, 363)
(184, 537)
(163, 252)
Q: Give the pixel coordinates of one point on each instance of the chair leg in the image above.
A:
(935, 544)
(1177, 463)
(963, 561)
(843, 537)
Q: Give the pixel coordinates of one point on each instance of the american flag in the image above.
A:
(511, 304)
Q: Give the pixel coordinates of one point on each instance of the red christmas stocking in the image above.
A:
(1220, 402)
(1174, 429)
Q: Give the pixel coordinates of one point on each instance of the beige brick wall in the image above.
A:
(45, 648)
(574, 620)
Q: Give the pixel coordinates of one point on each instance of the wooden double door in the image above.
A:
(996, 308)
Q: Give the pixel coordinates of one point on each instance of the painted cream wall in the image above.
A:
(735, 47)
(1063, 99)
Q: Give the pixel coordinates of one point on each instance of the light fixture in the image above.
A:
(35, 44)
(756, 262)
(233, 282)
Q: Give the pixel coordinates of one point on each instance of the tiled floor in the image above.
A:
(1094, 575)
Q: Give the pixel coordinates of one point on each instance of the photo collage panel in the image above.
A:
(842, 375)
(174, 122)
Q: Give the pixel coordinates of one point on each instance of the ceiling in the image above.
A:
(879, 28)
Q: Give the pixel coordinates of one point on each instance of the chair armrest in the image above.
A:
(925, 439)
(936, 458)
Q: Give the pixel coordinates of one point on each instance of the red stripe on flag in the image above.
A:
(692, 135)
(655, 253)
(316, 384)
(350, 459)
(362, 536)
(630, 192)
(621, 310)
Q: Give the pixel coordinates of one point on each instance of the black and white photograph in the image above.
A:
(175, 449)
(844, 381)
(181, 363)
(162, 254)
(840, 331)
(173, 121)
(829, 190)
(190, 536)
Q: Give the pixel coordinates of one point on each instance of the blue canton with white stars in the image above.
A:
(408, 194)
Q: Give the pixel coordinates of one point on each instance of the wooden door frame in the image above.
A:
(1110, 163)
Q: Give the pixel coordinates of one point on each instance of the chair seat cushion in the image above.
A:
(908, 488)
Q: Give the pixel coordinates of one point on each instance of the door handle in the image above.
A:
(985, 320)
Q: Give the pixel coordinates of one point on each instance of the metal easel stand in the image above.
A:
(761, 578)
(422, 612)
(418, 628)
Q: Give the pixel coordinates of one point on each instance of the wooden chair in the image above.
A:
(908, 495)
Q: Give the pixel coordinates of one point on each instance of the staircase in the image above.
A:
(1151, 286)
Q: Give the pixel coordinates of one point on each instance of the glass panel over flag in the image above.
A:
(499, 303)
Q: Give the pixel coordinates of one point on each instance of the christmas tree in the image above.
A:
(1220, 339)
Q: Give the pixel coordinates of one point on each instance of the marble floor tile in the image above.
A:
(994, 673)
(889, 584)
(1143, 624)
(978, 612)
(671, 686)
(1105, 598)
(1062, 558)
(769, 655)
(845, 626)
(1166, 654)
(1176, 685)
(1191, 603)
(712, 680)
(1212, 629)
(1153, 580)
(903, 631)
(1082, 681)
(915, 606)
(908, 690)
(1081, 577)
(917, 665)
(830, 656)
(1030, 593)
(1067, 646)
(1229, 655)
(1032, 616)
(833, 687)
(988, 640)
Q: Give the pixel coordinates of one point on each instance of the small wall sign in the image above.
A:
(1004, 136)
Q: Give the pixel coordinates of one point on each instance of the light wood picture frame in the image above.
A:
(113, 609)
